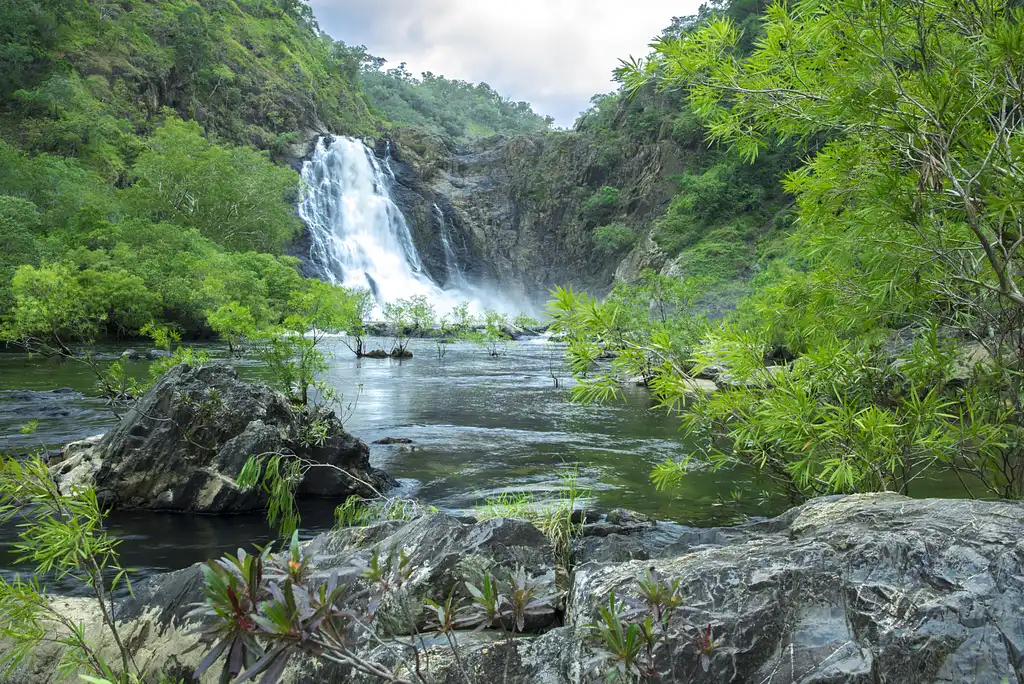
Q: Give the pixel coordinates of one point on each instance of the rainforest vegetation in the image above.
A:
(885, 345)
(841, 255)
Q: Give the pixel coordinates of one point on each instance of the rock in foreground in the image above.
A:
(183, 444)
(845, 590)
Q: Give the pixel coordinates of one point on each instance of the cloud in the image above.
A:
(554, 54)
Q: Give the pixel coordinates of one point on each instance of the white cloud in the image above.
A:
(554, 54)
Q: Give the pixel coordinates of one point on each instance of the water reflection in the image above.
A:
(480, 425)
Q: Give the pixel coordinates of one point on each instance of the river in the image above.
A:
(480, 426)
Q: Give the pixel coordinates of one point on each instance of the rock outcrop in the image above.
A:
(514, 207)
(875, 588)
(183, 444)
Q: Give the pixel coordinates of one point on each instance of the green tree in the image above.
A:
(906, 219)
(293, 351)
(234, 324)
(247, 208)
(19, 220)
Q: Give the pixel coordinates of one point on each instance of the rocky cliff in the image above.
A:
(632, 187)
(517, 206)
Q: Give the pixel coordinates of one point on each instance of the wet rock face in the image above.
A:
(184, 443)
(514, 207)
(859, 589)
(868, 589)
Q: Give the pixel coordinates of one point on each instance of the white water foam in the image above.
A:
(360, 239)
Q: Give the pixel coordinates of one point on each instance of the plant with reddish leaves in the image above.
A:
(233, 589)
(263, 609)
(705, 643)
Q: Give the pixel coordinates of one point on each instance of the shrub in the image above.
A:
(615, 238)
(600, 205)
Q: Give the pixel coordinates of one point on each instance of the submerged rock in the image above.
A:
(184, 443)
(876, 588)
(393, 440)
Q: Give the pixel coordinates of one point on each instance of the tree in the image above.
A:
(19, 219)
(234, 324)
(907, 220)
(293, 350)
(247, 208)
(920, 101)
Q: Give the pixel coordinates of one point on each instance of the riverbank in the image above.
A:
(843, 589)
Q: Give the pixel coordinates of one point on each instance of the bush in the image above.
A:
(615, 238)
(600, 205)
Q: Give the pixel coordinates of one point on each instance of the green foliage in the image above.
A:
(19, 219)
(840, 420)
(615, 237)
(600, 205)
(61, 535)
(50, 310)
(490, 332)
(634, 633)
(249, 207)
(357, 512)
(279, 477)
(556, 518)
(234, 324)
(128, 150)
(406, 317)
(649, 329)
(444, 106)
(292, 351)
(905, 245)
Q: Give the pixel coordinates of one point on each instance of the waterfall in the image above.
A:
(456, 280)
(360, 238)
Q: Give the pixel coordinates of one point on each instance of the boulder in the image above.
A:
(856, 589)
(446, 552)
(873, 588)
(183, 444)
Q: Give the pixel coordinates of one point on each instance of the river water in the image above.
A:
(480, 426)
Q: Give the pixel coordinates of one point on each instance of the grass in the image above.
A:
(356, 512)
(552, 517)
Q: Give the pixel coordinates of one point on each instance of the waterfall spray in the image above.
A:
(360, 239)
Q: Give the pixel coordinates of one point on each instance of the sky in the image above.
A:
(554, 54)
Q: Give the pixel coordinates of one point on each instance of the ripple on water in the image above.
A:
(480, 426)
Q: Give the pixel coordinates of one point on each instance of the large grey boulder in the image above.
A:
(876, 588)
(183, 444)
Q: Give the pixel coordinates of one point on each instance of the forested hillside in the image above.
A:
(116, 117)
(444, 106)
(884, 349)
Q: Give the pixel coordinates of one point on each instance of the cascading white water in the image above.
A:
(456, 280)
(360, 237)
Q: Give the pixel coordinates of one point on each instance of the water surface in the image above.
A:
(480, 426)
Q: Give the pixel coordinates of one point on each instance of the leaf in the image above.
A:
(261, 665)
(211, 657)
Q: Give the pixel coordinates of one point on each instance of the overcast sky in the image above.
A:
(554, 54)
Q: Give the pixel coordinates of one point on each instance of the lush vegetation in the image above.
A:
(114, 120)
(444, 106)
(885, 349)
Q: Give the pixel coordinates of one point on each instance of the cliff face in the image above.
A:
(517, 207)
(632, 187)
